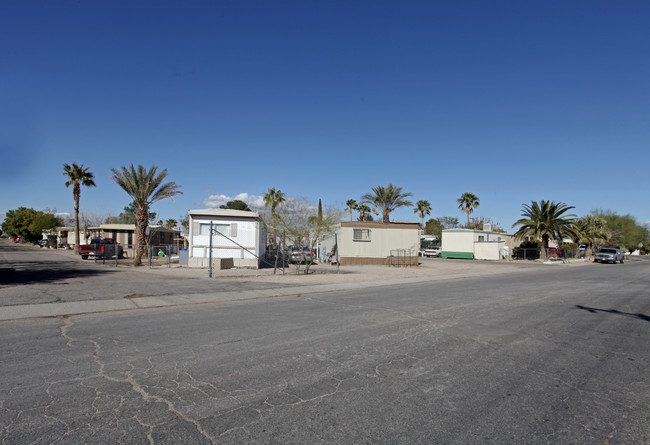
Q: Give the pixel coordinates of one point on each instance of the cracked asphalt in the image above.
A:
(546, 355)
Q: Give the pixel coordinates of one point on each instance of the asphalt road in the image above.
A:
(553, 355)
(55, 277)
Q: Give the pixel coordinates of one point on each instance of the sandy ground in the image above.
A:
(326, 274)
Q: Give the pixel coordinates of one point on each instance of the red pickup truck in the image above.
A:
(104, 248)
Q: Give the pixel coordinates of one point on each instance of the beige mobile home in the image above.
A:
(369, 242)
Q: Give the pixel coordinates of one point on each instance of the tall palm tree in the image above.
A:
(387, 199)
(422, 208)
(351, 205)
(467, 203)
(77, 176)
(546, 220)
(273, 198)
(145, 187)
(171, 223)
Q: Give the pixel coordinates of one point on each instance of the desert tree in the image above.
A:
(305, 224)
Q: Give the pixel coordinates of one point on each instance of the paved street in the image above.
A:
(543, 355)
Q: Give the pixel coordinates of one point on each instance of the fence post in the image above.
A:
(169, 258)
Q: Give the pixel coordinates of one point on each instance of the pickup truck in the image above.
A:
(104, 248)
(609, 255)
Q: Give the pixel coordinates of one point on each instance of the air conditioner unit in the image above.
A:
(488, 227)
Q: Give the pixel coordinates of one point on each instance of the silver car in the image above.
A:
(299, 254)
(433, 251)
(609, 255)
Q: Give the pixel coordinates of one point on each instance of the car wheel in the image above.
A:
(621, 261)
(84, 257)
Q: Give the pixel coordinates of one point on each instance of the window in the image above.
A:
(360, 234)
(224, 229)
(481, 238)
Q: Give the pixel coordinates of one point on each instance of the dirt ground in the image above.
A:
(326, 274)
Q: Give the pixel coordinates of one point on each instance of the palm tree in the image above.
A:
(546, 220)
(364, 210)
(171, 223)
(77, 176)
(145, 187)
(273, 198)
(591, 228)
(351, 205)
(387, 199)
(467, 203)
(422, 208)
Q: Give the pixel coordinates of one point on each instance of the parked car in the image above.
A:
(104, 248)
(555, 252)
(42, 243)
(299, 254)
(609, 255)
(16, 239)
(433, 251)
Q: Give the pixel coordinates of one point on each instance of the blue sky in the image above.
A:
(513, 101)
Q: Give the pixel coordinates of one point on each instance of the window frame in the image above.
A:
(361, 239)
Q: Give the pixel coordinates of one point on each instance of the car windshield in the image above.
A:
(608, 250)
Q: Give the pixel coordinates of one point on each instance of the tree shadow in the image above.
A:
(37, 272)
(614, 311)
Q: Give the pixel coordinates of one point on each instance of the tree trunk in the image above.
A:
(544, 253)
(76, 191)
(141, 223)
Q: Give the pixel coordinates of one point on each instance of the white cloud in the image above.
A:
(216, 200)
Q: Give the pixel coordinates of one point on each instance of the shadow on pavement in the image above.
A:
(614, 311)
(36, 272)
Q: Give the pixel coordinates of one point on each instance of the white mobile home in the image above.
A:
(236, 234)
(476, 244)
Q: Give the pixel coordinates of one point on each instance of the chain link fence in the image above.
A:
(552, 253)
(118, 255)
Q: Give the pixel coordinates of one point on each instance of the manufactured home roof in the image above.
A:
(223, 212)
(381, 225)
(476, 231)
